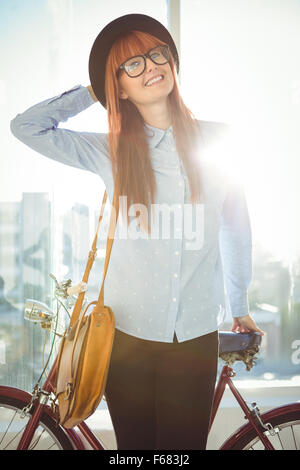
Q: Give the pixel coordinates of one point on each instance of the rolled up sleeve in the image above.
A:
(37, 127)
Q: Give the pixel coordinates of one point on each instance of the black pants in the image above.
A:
(159, 395)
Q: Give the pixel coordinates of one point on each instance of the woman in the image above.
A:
(167, 295)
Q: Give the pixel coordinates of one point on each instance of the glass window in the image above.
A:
(48, 211)
(238, 66)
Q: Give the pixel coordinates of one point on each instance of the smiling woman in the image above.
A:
(168, 299)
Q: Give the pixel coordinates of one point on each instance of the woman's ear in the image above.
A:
(123, 95)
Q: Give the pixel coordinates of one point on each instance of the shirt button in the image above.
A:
(180, 184)
(174, 299)
(176, 253)
(175, 275)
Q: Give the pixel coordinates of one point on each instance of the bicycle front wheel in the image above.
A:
(286, 425)
(12, 425)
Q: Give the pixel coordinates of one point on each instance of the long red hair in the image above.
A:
(129, 152)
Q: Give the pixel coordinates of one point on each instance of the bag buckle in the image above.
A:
(93, 254)
(68, 390)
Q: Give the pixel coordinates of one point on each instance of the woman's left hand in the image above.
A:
(245, 325)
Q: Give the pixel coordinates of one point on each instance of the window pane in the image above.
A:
(238, 66)
(48, 211)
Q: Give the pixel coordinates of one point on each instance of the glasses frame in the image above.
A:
(144, 56)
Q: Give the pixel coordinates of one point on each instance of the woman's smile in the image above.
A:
(154, 80)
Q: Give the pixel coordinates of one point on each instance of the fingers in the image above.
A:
(260, 332)
(240, 329)
(254, 327)
(246, 329)
(243, 329)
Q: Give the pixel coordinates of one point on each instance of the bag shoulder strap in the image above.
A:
(92, 256)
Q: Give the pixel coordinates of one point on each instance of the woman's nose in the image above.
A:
(150, 65)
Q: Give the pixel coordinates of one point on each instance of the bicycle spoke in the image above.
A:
(47, 435)
(15, 436)
(280, 440)
(35, 443)
(8, 427)
(54, 444)
(294, 437)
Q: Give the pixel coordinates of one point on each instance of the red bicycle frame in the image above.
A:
(225, 379)
(42, 407)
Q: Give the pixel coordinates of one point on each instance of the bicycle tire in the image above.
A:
(60, 438)
(280, 422)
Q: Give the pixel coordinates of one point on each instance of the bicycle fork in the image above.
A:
(42, 397)
(251, 413)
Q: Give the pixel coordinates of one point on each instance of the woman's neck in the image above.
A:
(156, 115)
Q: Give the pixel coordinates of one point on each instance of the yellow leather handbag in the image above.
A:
(85, 350)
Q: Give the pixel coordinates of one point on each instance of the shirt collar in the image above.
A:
(155, 135)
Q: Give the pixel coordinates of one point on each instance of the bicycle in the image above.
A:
(28, 421)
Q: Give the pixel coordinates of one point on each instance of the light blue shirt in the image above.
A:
(157, 286)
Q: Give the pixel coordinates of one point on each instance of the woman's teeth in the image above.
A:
(156, 79)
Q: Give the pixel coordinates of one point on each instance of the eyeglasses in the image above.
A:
(136, 65)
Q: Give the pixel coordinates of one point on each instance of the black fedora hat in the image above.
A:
(105, 39)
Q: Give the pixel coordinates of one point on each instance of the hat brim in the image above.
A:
(105, 39)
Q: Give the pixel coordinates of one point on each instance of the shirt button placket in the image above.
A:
(176, 255)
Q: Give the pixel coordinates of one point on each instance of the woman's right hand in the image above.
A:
(89, 87)
(245, 324)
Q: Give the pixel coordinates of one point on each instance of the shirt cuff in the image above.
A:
(240, 305)
(78, 93)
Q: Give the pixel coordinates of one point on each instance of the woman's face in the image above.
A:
(140, 91)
